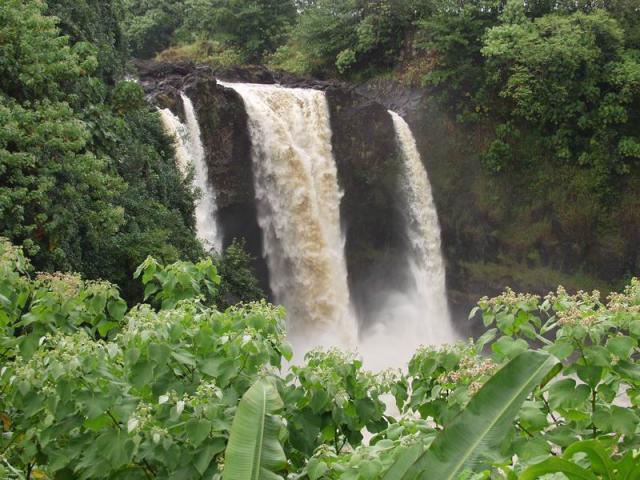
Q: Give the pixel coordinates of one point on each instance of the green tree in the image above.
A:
(452, 38)
(89, 181)
(239, 283)
(54, 194)
(157, 201)
(569, 77)
(155, 400)
(256, 27)
(348, 37)
(98, 22)
(149, 25)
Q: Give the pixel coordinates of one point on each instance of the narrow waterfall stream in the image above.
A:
(298, 201)
(420, 315)
(190, 151)
(180, 134)
(423, 230)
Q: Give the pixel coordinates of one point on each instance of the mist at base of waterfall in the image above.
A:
(298, 203)
(403, 324)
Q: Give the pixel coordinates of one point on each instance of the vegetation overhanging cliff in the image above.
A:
(497, 231)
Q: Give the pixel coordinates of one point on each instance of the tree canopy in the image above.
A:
(89, 181)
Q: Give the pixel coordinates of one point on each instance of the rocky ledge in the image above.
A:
(366, 156)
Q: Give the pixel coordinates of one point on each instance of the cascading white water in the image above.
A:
(178, 131)
(420, 315)
(423, 230)
(298, 201)
(190, 151)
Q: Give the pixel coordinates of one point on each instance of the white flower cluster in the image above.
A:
(63, 357)
(627, 301)
(509, 298)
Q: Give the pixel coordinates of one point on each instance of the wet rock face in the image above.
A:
(367, 160)
(497, 231)
(369, 165)
(225, 137)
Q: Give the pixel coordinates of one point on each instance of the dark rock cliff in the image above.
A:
(366, 156)
(508, 230)
(223, 125)
(369, 165)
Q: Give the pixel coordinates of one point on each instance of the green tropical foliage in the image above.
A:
(198, 381)
(595, 462)
(251, 28)
(153, 396)
(149, 26)
(348, 36)
(254, 451)
(179, 389)
(480, 428)
(331, 400)
(99, 23)
(571, 79)
(88, 178)
(167, 285)
(238, 281)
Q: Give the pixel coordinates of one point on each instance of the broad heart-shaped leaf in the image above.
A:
(601, 462)
(629, 467)
(481, 426)
(254, 451)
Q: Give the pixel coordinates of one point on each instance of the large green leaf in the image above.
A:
(254, 451)
(557, 465)
(601, 462)
(404, 462)
(482, 425)
(602, 466)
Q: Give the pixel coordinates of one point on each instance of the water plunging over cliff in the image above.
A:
(180, 134)
(420, 315)
(189, 151)
(298, 201)
(423, 231)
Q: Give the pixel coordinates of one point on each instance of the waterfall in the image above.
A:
(423, 231)
(178, 131)
(419, 315)
(298, 202)
(190, 151)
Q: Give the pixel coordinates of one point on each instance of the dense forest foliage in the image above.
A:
(557, 79)
(191, 383)
(178, 389)
(88, 178)
(89, 181)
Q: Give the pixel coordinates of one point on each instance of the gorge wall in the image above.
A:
(531, 231)
(496, 232)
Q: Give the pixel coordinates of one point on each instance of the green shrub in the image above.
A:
(91, 389)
